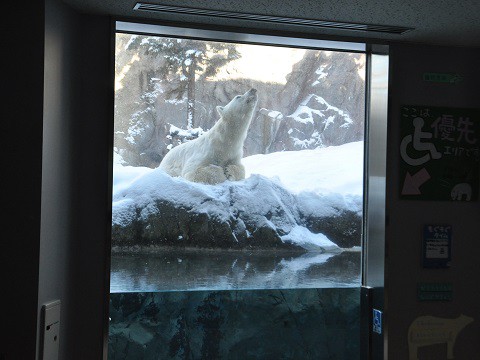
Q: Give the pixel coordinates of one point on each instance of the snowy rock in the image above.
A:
(256, 213)
(336, 79)
(314, 124)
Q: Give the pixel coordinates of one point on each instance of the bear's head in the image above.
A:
(240, 109)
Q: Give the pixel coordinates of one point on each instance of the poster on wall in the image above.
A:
(440, 153)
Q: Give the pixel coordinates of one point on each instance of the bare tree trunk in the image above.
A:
(191, 93)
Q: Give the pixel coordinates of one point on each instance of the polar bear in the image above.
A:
(430, 330)
(461, 189)
(215, 156)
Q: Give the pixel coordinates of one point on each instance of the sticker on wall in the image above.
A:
(435, 291)
(442, 78)
(431, 330)
(440, 153)
(437, 246)
(377, 321)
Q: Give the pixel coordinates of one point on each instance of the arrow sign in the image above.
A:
(412, 183)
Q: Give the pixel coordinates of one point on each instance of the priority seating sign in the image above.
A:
(440, 153)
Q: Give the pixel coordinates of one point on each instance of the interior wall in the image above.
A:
(75, 202)
(58, 181)
(93, 134)
(405, 218)
(22, 103)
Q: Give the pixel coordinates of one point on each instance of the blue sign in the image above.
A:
(377, 321)
(437, 246)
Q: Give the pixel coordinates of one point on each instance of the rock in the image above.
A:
(344, 228)
(255, 213)
(263, 132)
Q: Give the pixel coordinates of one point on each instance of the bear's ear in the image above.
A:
(220, 110)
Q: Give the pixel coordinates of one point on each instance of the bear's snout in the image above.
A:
(251, 95)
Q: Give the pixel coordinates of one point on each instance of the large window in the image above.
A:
(274, 202)
(240, 186)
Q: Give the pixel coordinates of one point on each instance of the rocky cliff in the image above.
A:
(321, 104)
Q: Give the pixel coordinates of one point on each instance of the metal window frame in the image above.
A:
(373, 295)
(238, 37)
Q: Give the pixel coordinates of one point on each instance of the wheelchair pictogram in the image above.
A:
(417, 140)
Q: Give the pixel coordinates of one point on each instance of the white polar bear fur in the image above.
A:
(215, 156)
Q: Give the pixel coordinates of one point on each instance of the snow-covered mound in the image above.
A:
(153, 209)
(335, 169)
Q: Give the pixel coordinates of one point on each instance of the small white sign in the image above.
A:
(437, 249)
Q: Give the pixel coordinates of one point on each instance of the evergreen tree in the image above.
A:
(181, 62)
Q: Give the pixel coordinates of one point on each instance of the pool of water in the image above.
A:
(177, 270)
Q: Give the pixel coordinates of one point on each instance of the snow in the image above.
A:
(321, 74)
(132, 38)
(310, 241)
(275, 114)
(304, 144)
(304, 113)
(124, 176)
(175, 101)
(193, 132)
(334, 169)
(133, 131)
(316, 181)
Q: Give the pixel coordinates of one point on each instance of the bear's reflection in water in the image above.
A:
(228, 270)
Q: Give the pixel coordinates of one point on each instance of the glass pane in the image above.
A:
(251, 196)
(237, 200)
(236, 324)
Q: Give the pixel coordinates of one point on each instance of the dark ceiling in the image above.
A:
(435, 22)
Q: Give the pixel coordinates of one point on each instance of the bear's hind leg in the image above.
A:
(235, 172)
(210, 174)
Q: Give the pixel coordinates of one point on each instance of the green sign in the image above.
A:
(442, 78)
(440, 153)
(435, 292)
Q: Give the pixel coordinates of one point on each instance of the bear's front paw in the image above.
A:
(210, 174)
(235, 172)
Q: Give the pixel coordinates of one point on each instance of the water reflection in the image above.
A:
(232, 270)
